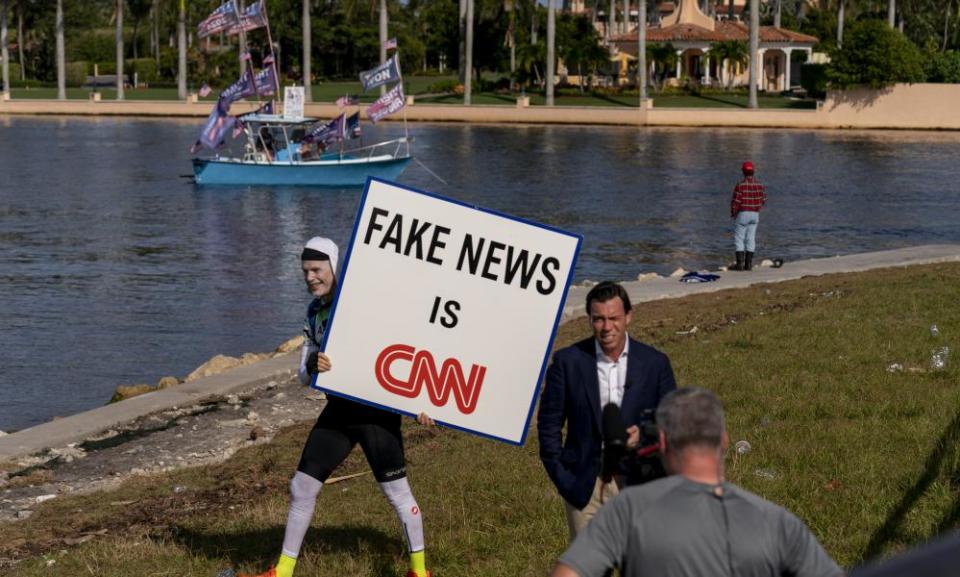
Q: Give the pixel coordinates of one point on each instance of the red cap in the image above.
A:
(747, 167)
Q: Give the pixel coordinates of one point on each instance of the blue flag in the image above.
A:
(243, 88)
(331, 131)
(266, 81)
(223, 18)
(352, 129)
(216, 127)
(389, 71)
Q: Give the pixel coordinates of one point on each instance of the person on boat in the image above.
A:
(342, 424)
(749, 196)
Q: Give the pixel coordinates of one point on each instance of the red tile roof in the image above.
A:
(724, 30)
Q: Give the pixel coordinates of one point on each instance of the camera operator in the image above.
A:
(693, 523)
(608, 368)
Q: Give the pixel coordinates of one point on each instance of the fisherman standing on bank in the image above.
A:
(342, 424)
(749, 196)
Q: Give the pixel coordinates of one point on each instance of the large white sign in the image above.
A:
(293, 97)
(447, 309)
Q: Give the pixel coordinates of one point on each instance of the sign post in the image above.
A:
(447, 309)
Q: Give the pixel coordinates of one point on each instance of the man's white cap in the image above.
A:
(325, 246)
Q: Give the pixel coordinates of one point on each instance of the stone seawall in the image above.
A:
(902, 107)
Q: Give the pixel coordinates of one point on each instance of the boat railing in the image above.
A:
(399, 145)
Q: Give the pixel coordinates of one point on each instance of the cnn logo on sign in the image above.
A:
(449, 378)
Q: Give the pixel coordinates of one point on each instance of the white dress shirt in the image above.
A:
(612, 375)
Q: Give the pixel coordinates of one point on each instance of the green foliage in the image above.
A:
(14, 73)
(144, 68)
(76, 73)
(448, 86)
(95, 46)
(734, 51)
(813, 79)
(579, 45)
(875, 55)
(941, 67)
(664, 58)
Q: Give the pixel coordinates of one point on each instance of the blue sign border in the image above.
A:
(342, 283)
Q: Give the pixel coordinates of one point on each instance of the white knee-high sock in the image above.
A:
(303, 499)
(399, 495)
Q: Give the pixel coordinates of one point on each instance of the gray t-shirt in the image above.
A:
(675, 527)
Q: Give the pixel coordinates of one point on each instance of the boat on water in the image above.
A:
(278, 151)
(292, 149)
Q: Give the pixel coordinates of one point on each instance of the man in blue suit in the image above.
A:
(609, 367)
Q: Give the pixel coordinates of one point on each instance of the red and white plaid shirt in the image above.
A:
(749, 195)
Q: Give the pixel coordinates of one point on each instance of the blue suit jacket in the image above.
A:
(572, 396)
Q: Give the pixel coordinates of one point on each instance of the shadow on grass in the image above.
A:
(610, 99)
(731, 103)
(261, 547)
(890, 530)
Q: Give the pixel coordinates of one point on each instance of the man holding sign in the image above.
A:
(341, 425)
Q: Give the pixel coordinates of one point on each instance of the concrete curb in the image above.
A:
(665, 288)
(84, 425)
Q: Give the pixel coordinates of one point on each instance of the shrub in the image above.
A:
(144, 68)
(76, 73)
(875, 55)
(447, 86)
(941, 67)
(813, 79)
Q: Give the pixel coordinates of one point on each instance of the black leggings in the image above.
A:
(342, 425)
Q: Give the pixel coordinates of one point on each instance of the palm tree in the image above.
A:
(383, 39)
(840, 4)
(4, 55)
(730, 52)
(642, 69)
(119, 49)
(139, 10)
(307, 56)
(61, 58)
(664, 58)
(468, 57)
(754, 49)
(891, 12)
(511, 39)
(182, 51)
(462, 22)
(23, 69)
(551, 48)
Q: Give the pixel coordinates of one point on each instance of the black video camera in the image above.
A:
(639, 464)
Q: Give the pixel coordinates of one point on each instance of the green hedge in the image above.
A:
(813, 79)
(144, 68)
(76, 73)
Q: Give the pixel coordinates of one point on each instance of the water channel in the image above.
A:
(114, 268)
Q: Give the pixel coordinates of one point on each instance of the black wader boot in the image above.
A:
(748, 264)
(739, 263)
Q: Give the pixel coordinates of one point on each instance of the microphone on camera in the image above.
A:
(614, 440)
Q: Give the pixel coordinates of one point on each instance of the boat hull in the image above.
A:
(347, 173)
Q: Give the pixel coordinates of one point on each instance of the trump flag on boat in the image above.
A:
(243, 88)
(331, 131)
(387, 104)
(223, 18)
(216, 128)
(266, 81)
(389, 71)
(255, 16)
(481, 292)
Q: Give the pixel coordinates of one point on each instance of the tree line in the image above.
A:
(518, 39)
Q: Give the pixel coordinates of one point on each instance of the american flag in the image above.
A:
(245, 56)
(390, 44)
(348, 101)
(205, 90)
(268, 59)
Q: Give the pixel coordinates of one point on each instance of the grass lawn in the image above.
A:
(870, 459)
(420, 87)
